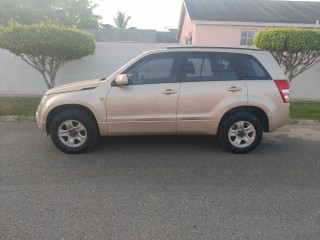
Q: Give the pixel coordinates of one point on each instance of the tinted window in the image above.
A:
(227, 69)
(209, 67)
(158, 68)
(250, 68)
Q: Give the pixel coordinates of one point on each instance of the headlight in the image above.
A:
(44, 99)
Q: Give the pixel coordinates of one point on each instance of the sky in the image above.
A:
(145, 14)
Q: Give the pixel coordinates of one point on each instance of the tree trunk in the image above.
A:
(46, 80)
(52, 80)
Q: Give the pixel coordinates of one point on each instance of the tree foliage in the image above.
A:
(296, 49)
(121, 20)
(46, 47)
(62, 12)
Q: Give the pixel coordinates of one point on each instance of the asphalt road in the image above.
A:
(163, 187)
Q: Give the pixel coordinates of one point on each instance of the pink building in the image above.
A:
(236, 22)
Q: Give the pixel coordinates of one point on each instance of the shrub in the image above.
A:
(46, 47)
(296, 49)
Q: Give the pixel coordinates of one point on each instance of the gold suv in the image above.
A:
(235, 93)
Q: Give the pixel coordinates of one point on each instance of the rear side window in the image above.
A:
(250, 68)
(209, 67)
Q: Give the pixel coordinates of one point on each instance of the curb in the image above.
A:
(304, 122)
(17, 119)
(33, 119)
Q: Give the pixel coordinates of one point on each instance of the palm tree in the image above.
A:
(121, 20)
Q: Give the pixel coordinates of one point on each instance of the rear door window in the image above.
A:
(209, 67)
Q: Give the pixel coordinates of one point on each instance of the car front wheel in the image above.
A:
(73, 131)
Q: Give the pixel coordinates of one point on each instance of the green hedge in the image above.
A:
(293, 40)
(64, 42)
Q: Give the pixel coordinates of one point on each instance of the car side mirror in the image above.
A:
(122, 80)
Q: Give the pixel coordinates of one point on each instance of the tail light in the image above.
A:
(283, 86)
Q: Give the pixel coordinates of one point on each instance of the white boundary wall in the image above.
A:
(307, 85)
(16, 77)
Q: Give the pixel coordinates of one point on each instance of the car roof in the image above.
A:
(189, 47)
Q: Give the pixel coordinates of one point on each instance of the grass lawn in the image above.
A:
(18, 106)
(305, 110)
(27, 106)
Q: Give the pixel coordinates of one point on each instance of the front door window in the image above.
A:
(159, 68)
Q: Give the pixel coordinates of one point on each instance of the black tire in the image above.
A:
(82, 127)
(240, 140)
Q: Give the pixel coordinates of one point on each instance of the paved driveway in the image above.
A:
(160, 188)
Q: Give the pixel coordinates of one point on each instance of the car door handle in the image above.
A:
(169, 91)
(234, 89)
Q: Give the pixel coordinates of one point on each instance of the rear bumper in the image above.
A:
(280, 118)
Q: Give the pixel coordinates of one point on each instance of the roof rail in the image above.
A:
(213, 47)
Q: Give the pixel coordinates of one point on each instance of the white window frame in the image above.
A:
(247, 39)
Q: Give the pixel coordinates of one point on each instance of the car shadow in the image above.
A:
(159, 143)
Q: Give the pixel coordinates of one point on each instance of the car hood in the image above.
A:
(75, 86)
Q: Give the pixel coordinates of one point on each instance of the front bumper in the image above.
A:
(41, 124)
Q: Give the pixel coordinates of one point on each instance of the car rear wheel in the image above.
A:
(73, 131)
(240, 133)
